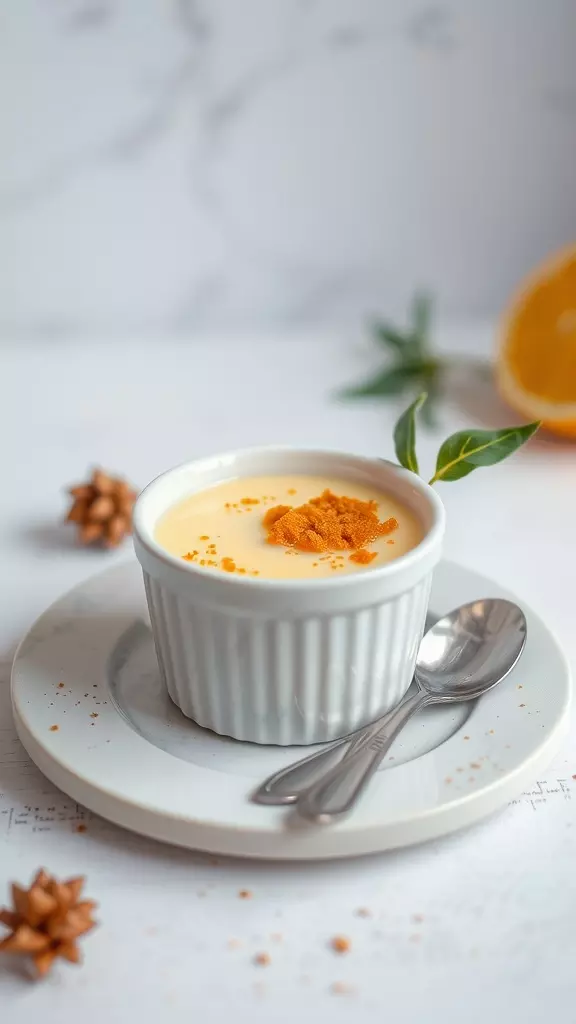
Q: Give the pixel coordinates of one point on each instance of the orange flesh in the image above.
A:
(541, 346)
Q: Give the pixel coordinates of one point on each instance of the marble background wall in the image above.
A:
(199, 165)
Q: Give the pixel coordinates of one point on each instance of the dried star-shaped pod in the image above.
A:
(46, 921)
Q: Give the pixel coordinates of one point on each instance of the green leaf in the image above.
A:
(392, 381)
(405, 435)
(389, 336)
(469, 449)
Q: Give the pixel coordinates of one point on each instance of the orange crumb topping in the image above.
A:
(228, 564)
(275, 513)
(249, 501)
(204, 536)
(362, 556)
(327, 523)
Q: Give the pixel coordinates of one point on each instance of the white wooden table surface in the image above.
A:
(480, 924)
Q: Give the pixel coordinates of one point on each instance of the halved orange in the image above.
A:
(536, 358)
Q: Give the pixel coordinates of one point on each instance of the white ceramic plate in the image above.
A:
(92, 714)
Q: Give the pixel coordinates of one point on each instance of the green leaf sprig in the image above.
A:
(413, 366)
(462, 452)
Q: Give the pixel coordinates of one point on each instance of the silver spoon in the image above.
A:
(463, 656)
(472, 648)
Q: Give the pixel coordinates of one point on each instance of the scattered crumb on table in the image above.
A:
(245, 894)
(54, 728)
(340, 944)
(340, 988)
(262, 959)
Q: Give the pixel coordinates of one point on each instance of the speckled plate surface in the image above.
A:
(91, 711)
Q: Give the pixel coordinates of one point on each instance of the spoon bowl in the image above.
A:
(471, 649)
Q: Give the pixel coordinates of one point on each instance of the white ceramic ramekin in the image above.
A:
(286, 661)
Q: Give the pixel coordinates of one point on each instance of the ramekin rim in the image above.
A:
(143, 535)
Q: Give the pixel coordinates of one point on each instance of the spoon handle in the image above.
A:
(288, 785)
(337, 792)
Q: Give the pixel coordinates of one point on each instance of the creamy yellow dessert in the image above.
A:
(289, 527)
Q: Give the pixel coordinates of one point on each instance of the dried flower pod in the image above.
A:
(46, 921)
(102, 509)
